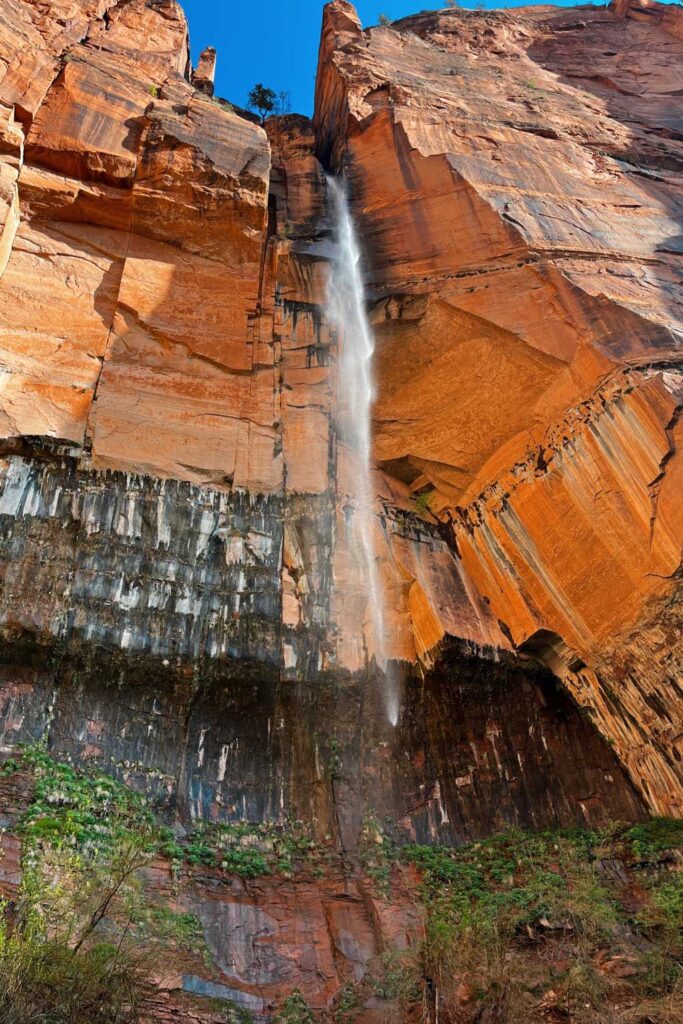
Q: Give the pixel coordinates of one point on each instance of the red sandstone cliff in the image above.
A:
(517, 180)
(181, 597)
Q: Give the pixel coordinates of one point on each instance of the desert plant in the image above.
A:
(295, 1010)
(422, 502)
(44, 979)
(347, 1005)
(263, 99)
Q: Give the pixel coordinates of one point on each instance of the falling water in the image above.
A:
(346, 311)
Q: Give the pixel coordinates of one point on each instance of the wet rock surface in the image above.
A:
(183, 602)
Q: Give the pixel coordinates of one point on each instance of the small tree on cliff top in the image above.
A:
(263, 99)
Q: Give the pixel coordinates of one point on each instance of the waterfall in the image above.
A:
(346, 312)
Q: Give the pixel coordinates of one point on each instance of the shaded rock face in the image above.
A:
(182, 596)
(479, 744)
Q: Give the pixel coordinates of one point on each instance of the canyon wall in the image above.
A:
(183, 601)
(517, 179)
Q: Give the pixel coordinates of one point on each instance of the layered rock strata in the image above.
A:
(182, 598)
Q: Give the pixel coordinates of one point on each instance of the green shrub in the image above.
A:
(347, 1005)
(422, 502)
(45, 980)
(662, 922)
(252, 850)
(295, 1010)
(651, 837)
(90, 814)
(378, 853)
(488, 897)
(401, 980)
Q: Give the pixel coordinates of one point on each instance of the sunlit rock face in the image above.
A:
(175, 485)
(516, 176)
(182, 597)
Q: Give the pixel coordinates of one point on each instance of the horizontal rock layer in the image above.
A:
(183, 594)
(169, 405)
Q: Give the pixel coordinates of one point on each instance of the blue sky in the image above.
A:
(276, 41)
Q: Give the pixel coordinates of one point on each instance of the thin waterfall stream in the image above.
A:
(346, 312)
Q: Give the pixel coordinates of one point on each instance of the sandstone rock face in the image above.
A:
(517, 181)
(183, 598)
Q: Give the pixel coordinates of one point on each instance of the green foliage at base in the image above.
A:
(73, 809)
(44, 981)
(81, 937)
(81, 934)
(651, 837)
(347, 1005)
(491, 904)
(295, 1010)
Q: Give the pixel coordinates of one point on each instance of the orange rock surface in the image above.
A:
(516, 178)
(184, 593)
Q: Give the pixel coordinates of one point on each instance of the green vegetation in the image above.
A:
(154, 91)
(654, 836)
(422, 502)
(229, 1012)
(401, 980)
(66, 952)
(77, 810)
(262, 99)
(480, 899)
(295, 1010)
(42, 978)
(82, 936)
(248, 850)
(378, 853)
(347, 1005)
(159, 924)
(384, 19)
(494, 903)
